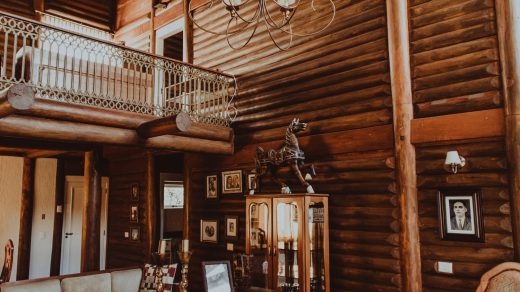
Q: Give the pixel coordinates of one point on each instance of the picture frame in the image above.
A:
(217, 276)
(134, 192)
(252, 183)
(135, 233)
(212, 187)
(134, 213)
(460, 215)
(231, 227)
(209, 230)
(232, 182)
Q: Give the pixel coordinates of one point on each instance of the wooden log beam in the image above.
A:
(464, 126)
(26, 215)
(37, 128)
(16, 97)
(508, 19)
(150, 204)
(90, 244)
(399, 53)
(188, 32)
(182, 125)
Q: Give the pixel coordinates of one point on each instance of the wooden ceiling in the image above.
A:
(97, 13)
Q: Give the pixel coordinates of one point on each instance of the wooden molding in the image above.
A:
(463, 126)
(168, 15)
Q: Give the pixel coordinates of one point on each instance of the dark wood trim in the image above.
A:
(508, 20)
(150, 203)
(26, 216)
(58, 219)
(463, 126)
(90, 245)
(399, 54)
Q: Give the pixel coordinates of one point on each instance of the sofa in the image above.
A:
(120, 280)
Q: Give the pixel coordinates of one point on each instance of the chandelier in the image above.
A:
(281, 19)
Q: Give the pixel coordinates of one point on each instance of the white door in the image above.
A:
(72, 225)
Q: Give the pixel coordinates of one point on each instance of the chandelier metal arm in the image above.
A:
(246, 42)
(262, 13)
(319, 30)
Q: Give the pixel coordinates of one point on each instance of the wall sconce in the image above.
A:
(454, 161)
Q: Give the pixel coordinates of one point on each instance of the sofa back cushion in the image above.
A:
(126, 281)
(52, 285)
(90, 283)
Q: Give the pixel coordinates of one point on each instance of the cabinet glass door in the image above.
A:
(315, 241)
(259, 244)
(288, 265)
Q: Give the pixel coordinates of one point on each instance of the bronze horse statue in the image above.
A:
(290, 155)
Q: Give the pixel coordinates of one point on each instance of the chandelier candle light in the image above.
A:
(276, 15)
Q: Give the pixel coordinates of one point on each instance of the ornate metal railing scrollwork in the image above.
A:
(73, 68)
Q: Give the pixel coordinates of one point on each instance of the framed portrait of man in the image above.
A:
(134, 213)
(232, 182)
(134, 193)
(211, 187)
(460, 214)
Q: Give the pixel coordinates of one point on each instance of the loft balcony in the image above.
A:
(60, 85)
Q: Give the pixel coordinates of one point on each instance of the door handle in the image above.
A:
(68, 233)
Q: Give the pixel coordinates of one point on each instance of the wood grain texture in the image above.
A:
(508, 14)
(90, 235)
(26, 214)
(462, 126)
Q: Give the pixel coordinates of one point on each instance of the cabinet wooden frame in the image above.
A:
(303, 203)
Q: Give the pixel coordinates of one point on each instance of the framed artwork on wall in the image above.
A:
(209, 231)
(460, 215)
(134, 213)
(232, 182)
(252, 183)
(212, 187)
(135, 233)
(134, 193)
(232, 227)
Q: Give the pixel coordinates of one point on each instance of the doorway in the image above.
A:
(73, 222)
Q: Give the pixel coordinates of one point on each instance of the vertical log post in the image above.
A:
(508, 18)
(188, 32)
(187, 187)
(58, 219)
(399, 52)
(150, 202)
(90, 247)
(26, 216)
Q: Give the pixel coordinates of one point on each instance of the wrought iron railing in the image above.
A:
(69, 67)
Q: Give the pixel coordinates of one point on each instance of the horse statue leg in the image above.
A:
(285, 188)
(294, 166)
(310, 172)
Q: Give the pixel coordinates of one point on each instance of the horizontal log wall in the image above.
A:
(455, 59)
(486, 169)
(125, 169)
(339, 82)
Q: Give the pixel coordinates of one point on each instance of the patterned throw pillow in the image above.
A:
(152, 275)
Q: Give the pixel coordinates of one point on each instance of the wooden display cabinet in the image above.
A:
(288, 238)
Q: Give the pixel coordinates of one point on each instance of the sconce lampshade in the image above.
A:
(452, 157)
(453, 161)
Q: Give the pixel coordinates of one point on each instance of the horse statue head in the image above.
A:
(296, 126)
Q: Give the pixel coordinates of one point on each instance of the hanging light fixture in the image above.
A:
(276, 15)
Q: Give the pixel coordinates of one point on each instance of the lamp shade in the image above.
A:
(453, 158)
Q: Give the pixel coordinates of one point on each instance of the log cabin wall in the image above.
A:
(339, 82)
(96, 13)
(455, 69)
(126, 168)
(132, 24)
